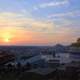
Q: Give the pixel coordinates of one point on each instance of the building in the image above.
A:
(5, 57)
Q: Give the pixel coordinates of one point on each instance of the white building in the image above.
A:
(61, 58)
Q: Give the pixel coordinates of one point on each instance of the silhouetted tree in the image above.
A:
(76, 44)
(28, 66)
(78, 40)
(18, 65)
(10, 67)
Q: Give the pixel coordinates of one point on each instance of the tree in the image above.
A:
(78, 40)
(76, 44)
(28, 66)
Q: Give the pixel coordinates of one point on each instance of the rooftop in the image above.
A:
(43, 71)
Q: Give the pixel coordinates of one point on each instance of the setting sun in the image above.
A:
(7, 37)
(7, 34)
(6, 40)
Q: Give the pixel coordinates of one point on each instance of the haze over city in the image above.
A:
(39, 22)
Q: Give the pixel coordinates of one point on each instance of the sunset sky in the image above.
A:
(39, 22)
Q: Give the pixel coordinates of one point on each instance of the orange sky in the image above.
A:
(19, 36)
(16, 29)
(39, 22)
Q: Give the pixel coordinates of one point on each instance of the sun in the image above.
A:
(8, 34)
(7, 37)
(6, 40)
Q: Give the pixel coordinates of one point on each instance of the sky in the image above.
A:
(39, 22)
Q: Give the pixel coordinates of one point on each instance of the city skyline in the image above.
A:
(39, 22)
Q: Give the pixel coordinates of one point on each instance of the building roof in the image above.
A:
(43, 71)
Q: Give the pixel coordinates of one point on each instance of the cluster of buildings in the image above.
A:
(45, 57)
(49, 57)
(42, 59)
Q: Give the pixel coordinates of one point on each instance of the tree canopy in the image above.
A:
(76, 44)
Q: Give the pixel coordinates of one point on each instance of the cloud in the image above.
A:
(69, 14)
(51, 4)
(20, 20)
(25, 30)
